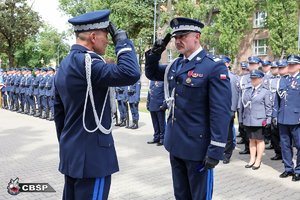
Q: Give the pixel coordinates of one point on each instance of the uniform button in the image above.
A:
(176, 95)
(200, 136)
(174, 119)
(177, 83)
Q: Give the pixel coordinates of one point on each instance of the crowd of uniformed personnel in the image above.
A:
(29, 91)
(266, 98)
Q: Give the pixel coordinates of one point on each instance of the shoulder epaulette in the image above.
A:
(214, 58)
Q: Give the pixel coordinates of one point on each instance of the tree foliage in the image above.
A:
(282, 22)
(18, 23)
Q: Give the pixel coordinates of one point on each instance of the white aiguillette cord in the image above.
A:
(89, 93)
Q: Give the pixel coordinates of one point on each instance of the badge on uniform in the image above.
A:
(188, 80)
(223, 76)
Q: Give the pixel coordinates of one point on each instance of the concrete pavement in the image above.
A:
(29, 150)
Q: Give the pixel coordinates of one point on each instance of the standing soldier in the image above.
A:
(4, 89)
(22, 90)
(134, 92)
(287, 114)
(17, 81)
(245, 82)
(13, 89)
(42, 92)
(29, 93)
(197, 90)
(273, 83)
(234, 81)
(157, 106)
(8, 87)
(49, 93)
(122, 99)
(36, 82)
(87, 153)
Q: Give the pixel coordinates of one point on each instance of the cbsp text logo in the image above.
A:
(15, 187)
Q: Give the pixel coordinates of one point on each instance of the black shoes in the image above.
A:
(256, 167)
(286, 174)
(160, 143)
(152, 142)
(296, 177)
(276, 157)
(244, 152)
(249, 166)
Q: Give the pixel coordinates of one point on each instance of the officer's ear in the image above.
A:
(92, 37)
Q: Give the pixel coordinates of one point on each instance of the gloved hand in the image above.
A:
(160, 44)
(210, 163)
(164, 106)
(274, 122)
(267, 126)
(116, 34)
(241, 125)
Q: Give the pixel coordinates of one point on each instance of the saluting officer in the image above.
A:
(245, 82)
(287, 114)
(234, 81)
(198, 93)
(83, 105)
(256, 113)
(134, 92)
(157, 106)
(122, 99)
(273, 83)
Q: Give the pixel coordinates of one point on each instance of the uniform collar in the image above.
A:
(295, 75)
(194, 53)
(256, 87)
(79, 47)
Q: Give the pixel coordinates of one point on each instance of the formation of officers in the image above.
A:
(266, 98)
(29, 91)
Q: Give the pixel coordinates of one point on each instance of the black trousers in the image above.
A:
(275, 140)
(244, 136)
(86, 188)
(191, 180)
(230, 143)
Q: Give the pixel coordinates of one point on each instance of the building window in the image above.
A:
(170, 55)
(259, 19)
(260, 47)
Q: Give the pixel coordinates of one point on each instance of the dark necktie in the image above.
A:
(181, 64)
(253, 92)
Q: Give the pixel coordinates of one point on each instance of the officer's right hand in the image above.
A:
(210, 163)
(116, 34)
(160, 44)
(274, 122)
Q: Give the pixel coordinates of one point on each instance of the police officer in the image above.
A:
(198, 93)
(17, 89)
(157, 106)
(49, 93)
(273, 83)
(3, 78)
(266, 68)
(29, 93)
(83, 102)
(22, 90)
(37, 100)
(122, 99)
(256, 113)
(42, 93)
(8, 87)
(286, 112)
(134, 92)
(245, 82)
(234, 81)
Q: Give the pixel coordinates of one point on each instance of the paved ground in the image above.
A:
(28, 149)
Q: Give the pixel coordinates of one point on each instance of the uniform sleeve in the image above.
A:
(268, 106)
(153, 70)
(220, 110)
(59, 114)
(125, 72)
(276, 105)
(138, 90)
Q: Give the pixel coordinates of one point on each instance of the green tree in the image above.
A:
(18, 22)
(233, 21)
(134, 16)
(282, 22)
(40, 48)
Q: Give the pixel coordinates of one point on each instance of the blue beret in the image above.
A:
(282, 63)
(254, 59)
(225, 59)
(257, 74)
(293, 59)
(265, 62)
(244, 65)
(91, 21)
(274, 64)
(182, 25)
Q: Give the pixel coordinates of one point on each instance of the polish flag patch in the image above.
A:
(223, 76)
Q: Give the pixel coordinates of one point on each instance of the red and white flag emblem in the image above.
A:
(223, 76)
